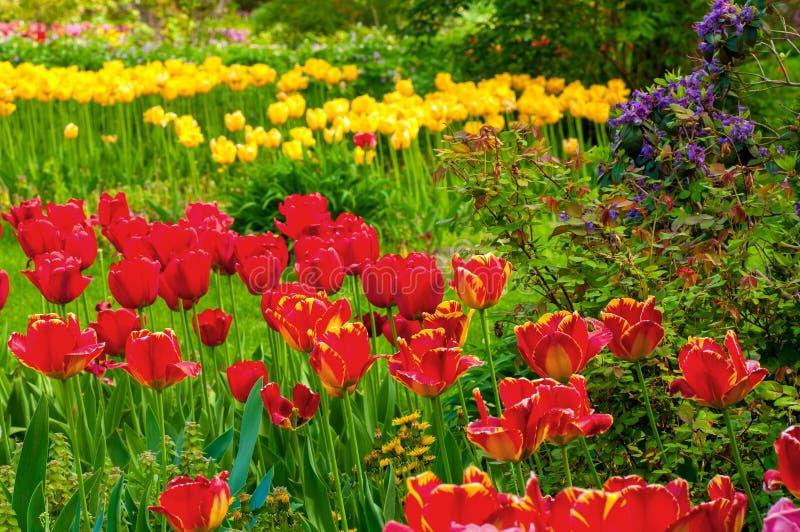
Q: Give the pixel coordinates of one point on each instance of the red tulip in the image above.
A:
(154, 360)
(243, 375)
(479, 282)
(403, 328)
(420, 286)
(195, 505)
(171, 299)
(341, 358)
(787, 447)
(515, 435)
(206, 217)
(55, 346)
(213, 326)
(782, 517)
(81, 242)
(356, 242)
(67, 215)
(113, 327)
(300, 319)
(27, 210)
(134, 283)
(271, 298)
(290, 414)
(366, 141)
(58, 277)
(319, 266)
(168, 241)
(560, 344)
(636, 327)
(623, 504)
(122, 230)
(305, 216)
(475, 505)
(448, 316)
(428, 364)
(570, 416)
(5, 287)
(261, 244)
(111, 209)
(260, 273)
(220, 245)
(37, 236)
(188, 274)
(725, 511)
(713, 378)
(379, 280)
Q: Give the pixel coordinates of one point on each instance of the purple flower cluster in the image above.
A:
(723, 17)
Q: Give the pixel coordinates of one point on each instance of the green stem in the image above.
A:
(206, 367)
(76, 448)
(235, 319)
(590, 459)
(348, 409)
(485, 327)
(440, 432)
(738, 459)
(520, 477)
(334, 466)
(638, 366)
(565, 458)
(162, 425)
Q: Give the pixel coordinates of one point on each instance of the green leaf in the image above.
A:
(35, 508)
(217, 448)
(152, 432)
(389, 494)
(32, 465)
(248, 434)
(69, 518)
(262, 490)
(120, 397)
(141, 514)
(115, 507)
(315, 493)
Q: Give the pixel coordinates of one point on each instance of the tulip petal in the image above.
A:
(641, 339)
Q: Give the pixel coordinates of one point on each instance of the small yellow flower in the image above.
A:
(71, 131)
(109, 139)
(223, 151)
(293, 149)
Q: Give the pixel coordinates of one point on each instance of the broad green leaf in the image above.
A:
(115, 507)
(315, 493)
(262, 490)
(217, 448)
(35, 508)
(32, 464)
(69, 518)
(248, 434)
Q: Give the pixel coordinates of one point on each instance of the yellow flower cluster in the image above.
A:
(186, 127)
(173, 78)
(408, 451)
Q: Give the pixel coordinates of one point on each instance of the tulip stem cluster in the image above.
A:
(740, 467)
(638, 367)
(334, 466)
(351, 424)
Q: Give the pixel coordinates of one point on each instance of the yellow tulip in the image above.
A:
(235, 121)
(278, 113)
(293, 149)
(71, 131)
(247, 153)
(316, 119)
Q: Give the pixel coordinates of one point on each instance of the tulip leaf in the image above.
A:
(115, 507)
(248, 434)
(370, 513)
(36, 507)
(390, 494)
(454, 456)
(117, 451)
(315, 493)
(70, 518)
(217, 448)
(141, 513)
(153, 432)
(98, 526)
(118, 400)
(388, 391)
(33, 464)
(259, 496)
